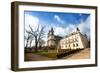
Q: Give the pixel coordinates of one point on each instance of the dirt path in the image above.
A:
(83, 54)
(35, 57)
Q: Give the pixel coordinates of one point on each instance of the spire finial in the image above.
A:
(51, 28)
(77, 29)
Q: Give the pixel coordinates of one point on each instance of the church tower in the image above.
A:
(51, 39)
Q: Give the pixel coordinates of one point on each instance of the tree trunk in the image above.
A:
(30, 43)
(27, 44)
(36, 44)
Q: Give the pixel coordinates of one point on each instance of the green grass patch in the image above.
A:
(47, 54)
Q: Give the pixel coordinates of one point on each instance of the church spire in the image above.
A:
(77, 29)
(52, 31)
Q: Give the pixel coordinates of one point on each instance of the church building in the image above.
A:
(53, 40)
(75, 40)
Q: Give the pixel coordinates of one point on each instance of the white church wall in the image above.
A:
(74, 42)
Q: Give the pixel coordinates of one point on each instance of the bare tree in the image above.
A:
(27, 38)
(41, 43)
(38, 34)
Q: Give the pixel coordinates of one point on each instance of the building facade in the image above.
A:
(75, 40)
(52, 39)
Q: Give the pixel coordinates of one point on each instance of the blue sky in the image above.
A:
(63, 23)
(58, 18)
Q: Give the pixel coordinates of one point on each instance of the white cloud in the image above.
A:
(70, 28)
(32, 21)
(62, 31)
(85, 26)
(58, 19)
(59, 31)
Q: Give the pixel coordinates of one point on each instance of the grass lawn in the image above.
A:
(47, 54)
